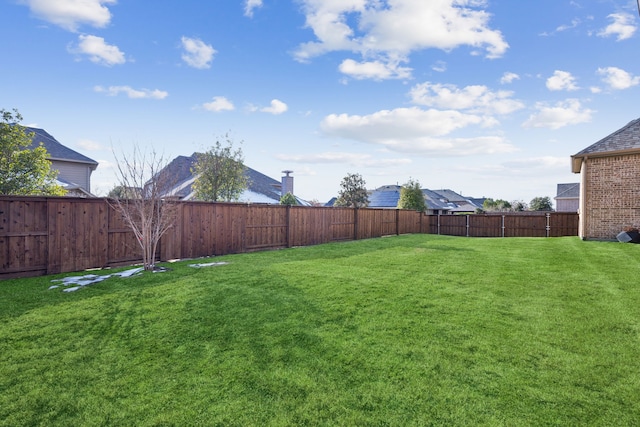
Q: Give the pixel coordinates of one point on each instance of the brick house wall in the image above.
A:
(610, 195)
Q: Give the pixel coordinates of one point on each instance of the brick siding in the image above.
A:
(612, 195)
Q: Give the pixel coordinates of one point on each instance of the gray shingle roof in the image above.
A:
(571, 190)
(56, 150)
(626, 138)
(436, 201)
(179, 171)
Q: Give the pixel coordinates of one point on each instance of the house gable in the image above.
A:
(261, 189)
(74, 169)
(568, 197)
(56, 150)
(568, 191)
(625, 140)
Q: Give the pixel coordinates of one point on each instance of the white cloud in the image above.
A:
(475, 98)
(378, 36)
(87, 144)
(574, 24)
(250, 5)
(197, 53)
(561, 80)
(70, 14)
(414, 130)
(219, 103)
(98, 51)
(520, 168)
(563, 113)
(623, 26)
(332, 157)
(509, 77)
(132, 93)
(439, 66)
(376, 70)
(276, 107)
(617, 78)
(543, 162)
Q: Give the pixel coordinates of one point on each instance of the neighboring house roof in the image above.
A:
(436, 202)
(625, 139)
(331, 202)
(56, 150)
(568, 191)
(73, 189)
(261, 189)
(387, 196)
(463, 203)
(384, 197)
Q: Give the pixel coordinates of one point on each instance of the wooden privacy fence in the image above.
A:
(59, 234)
(529, 224)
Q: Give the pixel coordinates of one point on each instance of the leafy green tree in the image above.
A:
(412, 197)
(541, 204)
(24, 171)
(498, 205)
(353, 192)
(519, 206)
(288, 199)
(220, 173)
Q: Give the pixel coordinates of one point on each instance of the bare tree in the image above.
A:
(145, 211)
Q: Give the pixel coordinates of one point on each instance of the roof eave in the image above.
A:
(577, 159)
(93, 164)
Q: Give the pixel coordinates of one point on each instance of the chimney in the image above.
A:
(287, 183)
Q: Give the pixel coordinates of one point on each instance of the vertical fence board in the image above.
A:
(409, 222)
(308, 226)
(171, 242)
(341, 223)
(563, 224)
(525, 226)
(485, 225)
(122, 244)
(23, 236)
(266, 228)
(453, 225)
(77, 235)
(389, 222)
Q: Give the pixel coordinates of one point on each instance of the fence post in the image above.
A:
(288, 217)
(548, 227)
(397, 222)
(467, 225)
(355, 223)
(438, 223)
(502, 226)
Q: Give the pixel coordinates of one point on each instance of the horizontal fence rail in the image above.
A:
(48, 235)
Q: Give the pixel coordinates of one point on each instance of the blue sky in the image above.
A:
(484, 97)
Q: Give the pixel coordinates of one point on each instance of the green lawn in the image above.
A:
(408, 330)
